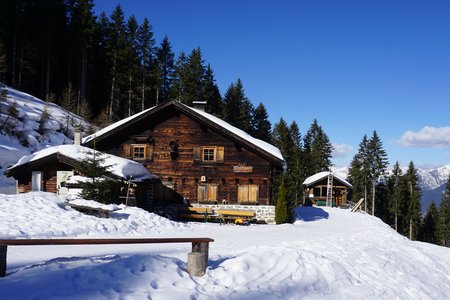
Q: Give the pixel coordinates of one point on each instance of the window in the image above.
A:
(248, 193)
(138, 152)
(209, 154)
(207, 192)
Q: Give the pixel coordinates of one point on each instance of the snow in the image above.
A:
(327, 253)
(30, 110)
(119, 166)
(257, 142)
(319, 176)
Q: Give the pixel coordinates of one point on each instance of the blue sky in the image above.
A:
(356, 66)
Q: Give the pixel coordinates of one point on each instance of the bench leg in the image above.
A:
(198, 259)
(3, 250)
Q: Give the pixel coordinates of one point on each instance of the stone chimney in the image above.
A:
(200, 105)
(77, 136)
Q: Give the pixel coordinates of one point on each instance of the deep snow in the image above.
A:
(327, 253)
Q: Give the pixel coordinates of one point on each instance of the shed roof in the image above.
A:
(120, 167)
(321, 175)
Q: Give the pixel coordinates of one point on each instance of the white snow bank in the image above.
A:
(328, 253)
(119, 166)
(46, 215)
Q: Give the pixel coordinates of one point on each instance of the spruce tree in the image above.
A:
(165, 59)
(444, 217)
(194, 78)
(261, 124)
(429, 228)
(238, 110)
(97, 187)
(396, 195)
(282, 213)
(413, 193)
(317, 150)
(377, 161)
(211, 94)
(146, 50)
(178, 87)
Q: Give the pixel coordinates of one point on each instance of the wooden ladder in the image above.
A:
(329, 199)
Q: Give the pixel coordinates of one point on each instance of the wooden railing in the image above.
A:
(197, 259)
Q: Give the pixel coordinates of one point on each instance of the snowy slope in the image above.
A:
(58, 130)
(328, 253)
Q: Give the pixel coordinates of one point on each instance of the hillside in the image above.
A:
(38, 124)
(326, 253)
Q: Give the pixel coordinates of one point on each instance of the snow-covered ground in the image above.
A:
(327, 253)
(58, 130)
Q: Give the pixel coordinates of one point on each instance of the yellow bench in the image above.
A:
(233, 214)
(195, 213)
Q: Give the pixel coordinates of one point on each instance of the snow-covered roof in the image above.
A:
(121, 167)
(321, 175)
(268, 148)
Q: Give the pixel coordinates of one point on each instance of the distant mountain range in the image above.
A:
(432, 183)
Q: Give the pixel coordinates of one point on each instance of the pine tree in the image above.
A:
(317, 150)
(282, 214)
(194, 78)
(377, 161)
(261, 124)
(165, 58)
(238, 110)
(133, 65)
(444, 217)
(97, 188)
(429, 228)
(211, 93)
(297, 164)
(396, 195)
(413, 193)
(146, 50)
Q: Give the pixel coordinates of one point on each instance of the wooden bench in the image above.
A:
(232, 214)
(195, 213)
(197, 259)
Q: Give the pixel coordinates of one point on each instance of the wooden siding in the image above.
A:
(182, 171)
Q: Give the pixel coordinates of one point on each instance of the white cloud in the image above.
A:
(427, 137)
(341, 150)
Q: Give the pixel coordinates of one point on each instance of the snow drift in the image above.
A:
(329, 253)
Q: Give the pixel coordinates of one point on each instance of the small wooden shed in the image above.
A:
(317, 185)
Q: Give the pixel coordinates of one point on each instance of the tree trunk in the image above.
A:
(373, 197)
(143, 91)
(129, 94)
(112, 88)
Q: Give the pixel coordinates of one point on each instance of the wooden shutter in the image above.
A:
(211, 193)
(149, 152)
(201, 193)
(253, 193)
(242, 193)
(219, 154)
(127, 150)
(197, 154)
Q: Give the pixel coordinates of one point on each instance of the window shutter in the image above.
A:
(219, 154)
(253, 193)
(201, 192)
(197, 154)
(243, 193)
(127, 150)
(149, 152)
(211, 192)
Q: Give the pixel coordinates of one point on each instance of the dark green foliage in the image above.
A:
(238, 110)
(397, 199)
(317, 150)
(429, 230)
(261, 124)
(165, 60)
(98, 187)
(211, 94)
(444, 217)
(413, 199)
(282, 213)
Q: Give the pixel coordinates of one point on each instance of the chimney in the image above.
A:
(77, 136)
(200, 105)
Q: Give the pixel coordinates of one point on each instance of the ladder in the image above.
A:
(329, 199)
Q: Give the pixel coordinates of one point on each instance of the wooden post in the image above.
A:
(198, 259)
(3, 250)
